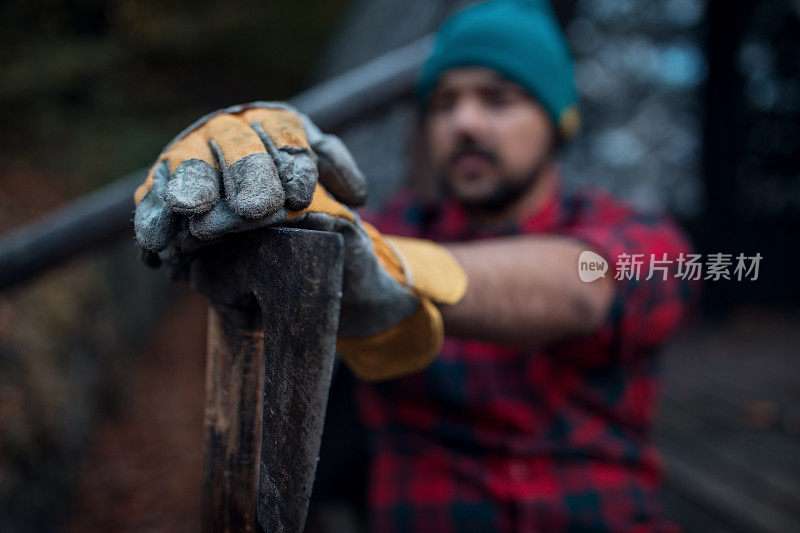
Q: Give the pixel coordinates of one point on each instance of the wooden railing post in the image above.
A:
(273, 317)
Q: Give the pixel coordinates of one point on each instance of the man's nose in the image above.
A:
(469, 118)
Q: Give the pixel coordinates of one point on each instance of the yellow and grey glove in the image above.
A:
(225, 173)
(258, 164)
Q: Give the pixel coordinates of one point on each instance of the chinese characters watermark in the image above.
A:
(691, 267)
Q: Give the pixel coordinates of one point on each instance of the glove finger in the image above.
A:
(285, 127)
(176, 262)
(338, 171)
(252, 187)
(286, 142)
(222, 220)
(154, 222)
(149, 258)
(297, 169)
(196, 180)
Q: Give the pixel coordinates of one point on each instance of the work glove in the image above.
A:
(264, 163)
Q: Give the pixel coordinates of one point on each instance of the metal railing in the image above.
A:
(105, 216)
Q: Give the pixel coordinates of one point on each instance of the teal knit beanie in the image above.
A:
(520, 39)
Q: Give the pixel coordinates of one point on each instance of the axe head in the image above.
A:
(289, 280)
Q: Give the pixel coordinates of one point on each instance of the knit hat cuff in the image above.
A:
(562, 109)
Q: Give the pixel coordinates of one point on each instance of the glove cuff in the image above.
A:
(427, 268)
(430, 269)
(403, 349)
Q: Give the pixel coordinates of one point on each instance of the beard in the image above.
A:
(505, 194)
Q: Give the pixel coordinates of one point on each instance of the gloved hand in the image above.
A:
(225, 173)
(254, 165)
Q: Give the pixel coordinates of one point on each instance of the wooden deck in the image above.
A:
(729, 426)
(729, 429)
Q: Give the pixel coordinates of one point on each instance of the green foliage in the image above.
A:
(94, 88)
(91, 90)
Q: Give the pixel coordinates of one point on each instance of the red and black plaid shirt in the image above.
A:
(499, 438)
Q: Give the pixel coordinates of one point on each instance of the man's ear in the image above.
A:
(557, 141)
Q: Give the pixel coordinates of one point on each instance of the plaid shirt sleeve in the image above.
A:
(652, 299)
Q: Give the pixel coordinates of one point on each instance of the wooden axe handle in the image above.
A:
(273, 316)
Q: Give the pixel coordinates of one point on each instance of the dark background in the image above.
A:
(689, 105)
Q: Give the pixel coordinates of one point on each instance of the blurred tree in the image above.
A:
(94, 88)
(752, 145)
(91, 90)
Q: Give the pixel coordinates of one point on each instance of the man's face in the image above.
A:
(488, 138)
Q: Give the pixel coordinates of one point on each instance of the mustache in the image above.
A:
(472, 148)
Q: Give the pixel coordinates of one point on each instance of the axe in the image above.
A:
(274, 301)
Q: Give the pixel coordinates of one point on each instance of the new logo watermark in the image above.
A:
(591, 266)
(715, 267)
